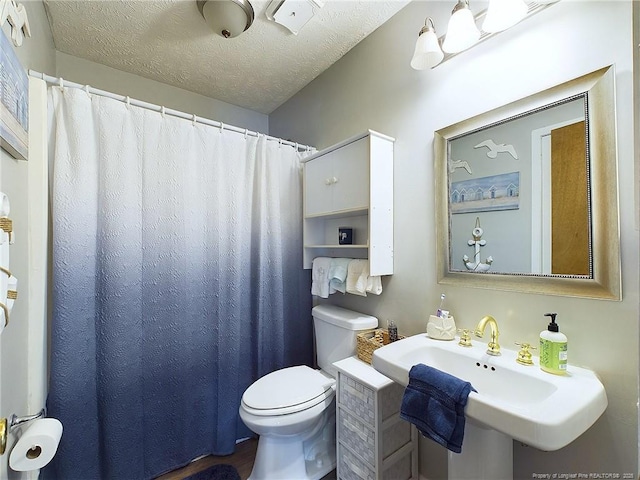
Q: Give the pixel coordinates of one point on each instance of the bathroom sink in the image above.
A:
(540, 409)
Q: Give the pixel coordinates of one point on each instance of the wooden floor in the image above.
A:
(242, 459)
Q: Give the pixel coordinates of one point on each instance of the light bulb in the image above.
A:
(503, 14)
(427, 53)
(462, 31)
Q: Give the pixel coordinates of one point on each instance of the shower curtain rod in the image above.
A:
(168, 111)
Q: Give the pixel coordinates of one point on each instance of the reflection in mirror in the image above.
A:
(539, 206)
(526, 194)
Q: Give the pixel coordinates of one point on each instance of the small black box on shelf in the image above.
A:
(345, 236)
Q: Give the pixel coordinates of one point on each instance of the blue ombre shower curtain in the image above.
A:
(177, 281)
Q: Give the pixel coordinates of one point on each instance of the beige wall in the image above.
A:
(21, 355)
(374, 87)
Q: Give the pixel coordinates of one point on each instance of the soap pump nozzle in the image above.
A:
(553, 326)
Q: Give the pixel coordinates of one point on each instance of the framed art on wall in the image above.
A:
(486, 194)
(14, 102)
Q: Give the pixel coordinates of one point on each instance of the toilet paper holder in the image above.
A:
(14, 421)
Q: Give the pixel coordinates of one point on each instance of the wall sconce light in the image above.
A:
(463, 31)
(428, 52)
(227, 18)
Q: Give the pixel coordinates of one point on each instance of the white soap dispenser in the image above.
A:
(553, 348)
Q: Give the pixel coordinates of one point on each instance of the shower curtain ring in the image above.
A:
(246, 133)
(195, 119)
(221, 126)
(162, 111)
(61, 83)
(127, 100)
(86, 89)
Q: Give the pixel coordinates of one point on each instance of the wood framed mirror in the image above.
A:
(527, 194)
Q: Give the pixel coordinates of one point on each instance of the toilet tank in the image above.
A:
(335, 330)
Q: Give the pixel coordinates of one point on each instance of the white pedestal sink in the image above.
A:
(512, 401)
(486, 454)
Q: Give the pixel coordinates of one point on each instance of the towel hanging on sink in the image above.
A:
(434, 402)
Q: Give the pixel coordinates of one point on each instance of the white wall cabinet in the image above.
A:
(373, 442)
(351, 185)
(338, 181)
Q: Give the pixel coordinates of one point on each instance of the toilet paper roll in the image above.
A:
(37, 446)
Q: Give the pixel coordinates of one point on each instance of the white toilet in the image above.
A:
(293, 409)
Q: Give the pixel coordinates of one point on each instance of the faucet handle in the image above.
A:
(524, 355)
(465, 337)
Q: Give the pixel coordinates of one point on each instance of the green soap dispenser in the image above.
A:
(553, 348)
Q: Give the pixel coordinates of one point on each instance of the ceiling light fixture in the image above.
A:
(503, 14)
(227, 18)
(462, 31)
(428, 53)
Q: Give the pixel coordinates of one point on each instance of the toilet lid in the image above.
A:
(291, 389)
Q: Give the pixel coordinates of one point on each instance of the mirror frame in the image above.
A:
(599, 87)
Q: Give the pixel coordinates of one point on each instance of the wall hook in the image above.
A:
(5, 311)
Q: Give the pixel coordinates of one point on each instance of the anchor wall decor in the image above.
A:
(477, 242)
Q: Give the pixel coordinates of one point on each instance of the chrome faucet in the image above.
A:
(494, 346)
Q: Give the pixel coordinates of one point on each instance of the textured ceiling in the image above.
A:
(168, 41)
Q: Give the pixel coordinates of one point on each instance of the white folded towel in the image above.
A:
(357, 277)
(338, 275)
(374, 284)
(320, 277)
(359, 282)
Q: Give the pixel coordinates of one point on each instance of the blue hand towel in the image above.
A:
(434, 402)
(338, 275)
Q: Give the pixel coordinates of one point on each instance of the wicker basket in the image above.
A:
(369, 341)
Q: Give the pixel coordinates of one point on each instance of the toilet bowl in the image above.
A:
(293, 409)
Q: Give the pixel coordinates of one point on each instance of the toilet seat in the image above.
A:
(287, 391)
